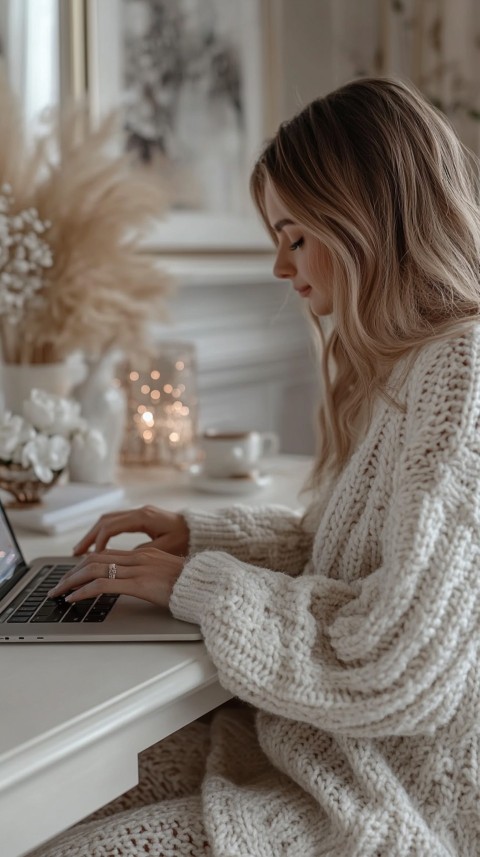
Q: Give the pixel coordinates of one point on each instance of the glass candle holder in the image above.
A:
(162, 407)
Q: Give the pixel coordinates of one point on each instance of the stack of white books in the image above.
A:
(67, 507)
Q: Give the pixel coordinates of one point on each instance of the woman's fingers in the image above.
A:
(146, 519)
(97, 570)
(104, 586)
(106, 556)
(149, 574)
(96, 564)
(106, 525)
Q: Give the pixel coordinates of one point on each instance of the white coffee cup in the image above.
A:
(232, 454)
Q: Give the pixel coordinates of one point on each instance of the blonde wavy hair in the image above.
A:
(379, 176)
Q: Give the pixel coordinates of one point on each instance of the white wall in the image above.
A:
(305, 58)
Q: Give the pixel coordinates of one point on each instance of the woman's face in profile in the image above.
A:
(301, 257)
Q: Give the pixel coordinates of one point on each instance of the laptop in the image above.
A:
(28, 615)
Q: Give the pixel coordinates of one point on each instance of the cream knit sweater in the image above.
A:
(354, 633)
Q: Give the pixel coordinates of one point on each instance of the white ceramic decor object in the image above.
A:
(18, 379)
(103, 405)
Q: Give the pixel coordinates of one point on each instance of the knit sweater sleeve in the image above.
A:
(272, 536)
(391, 653)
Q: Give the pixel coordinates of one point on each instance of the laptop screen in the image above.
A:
(12, 563)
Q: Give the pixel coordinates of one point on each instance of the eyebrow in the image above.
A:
(281, 223)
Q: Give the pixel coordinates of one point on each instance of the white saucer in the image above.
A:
(232, 485)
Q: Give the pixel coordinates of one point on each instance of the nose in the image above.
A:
(283, 267)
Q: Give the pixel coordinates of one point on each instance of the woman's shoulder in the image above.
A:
(460, 347)
(443, 380)
(451, 361)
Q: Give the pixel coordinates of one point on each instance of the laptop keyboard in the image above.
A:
(37, 607)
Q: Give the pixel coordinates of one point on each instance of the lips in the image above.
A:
(303, 291)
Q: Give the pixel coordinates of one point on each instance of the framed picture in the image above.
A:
(194, 82)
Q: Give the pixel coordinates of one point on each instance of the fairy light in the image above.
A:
(162, 428)
(148, 418)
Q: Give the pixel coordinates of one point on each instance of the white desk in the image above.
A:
(75, 716)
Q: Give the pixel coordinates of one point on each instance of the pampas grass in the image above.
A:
(100, 291)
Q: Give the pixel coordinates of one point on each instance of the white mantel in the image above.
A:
(221, 269)
(255, 359)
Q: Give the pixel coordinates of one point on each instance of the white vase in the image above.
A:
(18, 379)
(103, 405)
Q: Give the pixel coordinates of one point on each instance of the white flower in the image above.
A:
(49, 413)
(24, 256)
(46, 455)
(45, 437)
(14, 432)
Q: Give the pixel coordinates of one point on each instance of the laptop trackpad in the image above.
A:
(131, 615)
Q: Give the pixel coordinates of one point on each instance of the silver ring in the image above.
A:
(112, 570)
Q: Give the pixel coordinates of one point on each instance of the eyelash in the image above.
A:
(296, 244)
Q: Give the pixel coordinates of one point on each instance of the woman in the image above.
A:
(352, 632)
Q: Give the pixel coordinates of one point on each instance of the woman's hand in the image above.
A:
(167, 530)
(146, 572)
